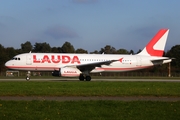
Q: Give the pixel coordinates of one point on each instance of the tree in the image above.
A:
(80, 50)
(42, 47)
(95, 52)
(11, 52)
(56, 50)
(122, 51)
(174, 52)
(3, 57)
(131, 52)
(26, 47)
(108, 50)
(68, 48)
(139, 51)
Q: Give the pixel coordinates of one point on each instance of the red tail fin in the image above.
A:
(157, 44)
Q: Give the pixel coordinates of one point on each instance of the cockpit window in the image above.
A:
(15, 58)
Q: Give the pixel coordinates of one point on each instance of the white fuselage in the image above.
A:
(55, 61)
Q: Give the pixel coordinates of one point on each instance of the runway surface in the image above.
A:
(77, 98)
(104, 79)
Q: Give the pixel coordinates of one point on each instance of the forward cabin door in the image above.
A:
(28, 59)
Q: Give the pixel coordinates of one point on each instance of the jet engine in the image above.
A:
(67, 72)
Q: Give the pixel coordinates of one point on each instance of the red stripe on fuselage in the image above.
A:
(33, 68)
(56, 68)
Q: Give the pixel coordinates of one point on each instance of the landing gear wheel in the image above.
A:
(88, 78)
(81, 77)
(27, 78)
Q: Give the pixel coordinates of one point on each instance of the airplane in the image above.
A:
(81, 65)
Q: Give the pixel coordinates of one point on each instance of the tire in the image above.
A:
(88, 78)
(27, 78)
(81, 77)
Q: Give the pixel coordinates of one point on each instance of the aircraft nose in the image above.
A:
(7, 64)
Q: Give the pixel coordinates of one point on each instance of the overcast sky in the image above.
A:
(88, 24)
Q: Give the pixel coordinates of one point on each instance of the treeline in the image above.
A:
(9, 52)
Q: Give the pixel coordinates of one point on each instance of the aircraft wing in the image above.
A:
(91, 66)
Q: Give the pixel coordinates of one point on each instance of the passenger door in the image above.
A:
(28, 60)
(138, 58)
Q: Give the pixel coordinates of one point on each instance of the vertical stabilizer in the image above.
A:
(157, 44)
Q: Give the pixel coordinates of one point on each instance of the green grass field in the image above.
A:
(97, 109)
(77, 88)
(89, 110)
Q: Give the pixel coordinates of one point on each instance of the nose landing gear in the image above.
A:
(28, 75)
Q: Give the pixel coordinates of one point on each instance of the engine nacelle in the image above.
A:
(67, 72)
(70, 72)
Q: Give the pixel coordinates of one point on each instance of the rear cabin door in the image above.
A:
(138, 61)
(28, 59)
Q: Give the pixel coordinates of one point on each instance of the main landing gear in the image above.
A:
(86, 78)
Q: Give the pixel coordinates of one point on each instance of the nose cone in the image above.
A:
(7, 64)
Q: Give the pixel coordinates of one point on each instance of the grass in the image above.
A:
(97, 109)
(72, 88)
(80, 110)
(76, 88)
